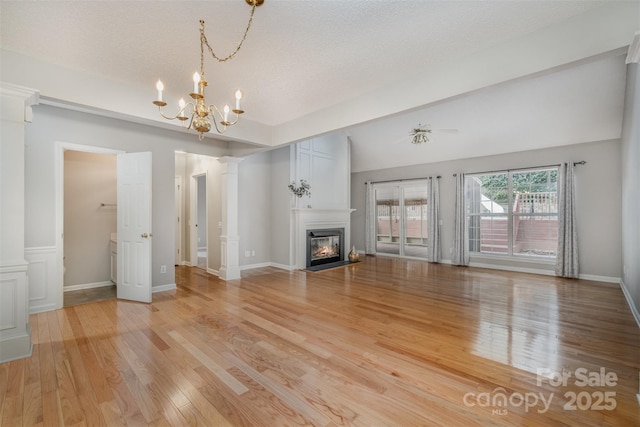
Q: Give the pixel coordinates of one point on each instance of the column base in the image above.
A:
(15, 348)
(230, 268)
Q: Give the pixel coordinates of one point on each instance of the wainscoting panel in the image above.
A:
(42, 274)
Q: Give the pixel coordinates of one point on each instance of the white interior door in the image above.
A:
(134, 226)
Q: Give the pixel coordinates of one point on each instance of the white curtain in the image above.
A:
(433, 219)
(460, 255)
(370, 228)
(567, 255)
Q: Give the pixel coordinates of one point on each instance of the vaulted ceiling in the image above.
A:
(496, 71)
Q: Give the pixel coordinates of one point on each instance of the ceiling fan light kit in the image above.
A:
(419, 134)
(197, 112)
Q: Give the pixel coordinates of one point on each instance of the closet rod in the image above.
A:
(400, 180)
(581, 162)
(102, 205)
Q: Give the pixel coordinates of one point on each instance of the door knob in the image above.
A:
(145, 235)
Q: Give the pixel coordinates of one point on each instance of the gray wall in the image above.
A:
(630, 187)
(254, 214)
(281, 206)
(51, 124)
(599, 197)
(89, 181)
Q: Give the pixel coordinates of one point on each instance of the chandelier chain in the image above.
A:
(203, 41)
(199, 115)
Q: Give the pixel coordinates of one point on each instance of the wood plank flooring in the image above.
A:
(384, 342)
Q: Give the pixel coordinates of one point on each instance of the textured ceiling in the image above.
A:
(308, 61)
(299, 57)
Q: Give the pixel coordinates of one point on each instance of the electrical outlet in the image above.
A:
(247, 254)
(163, 269)
(253, 253)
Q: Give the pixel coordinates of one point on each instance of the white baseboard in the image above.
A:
(512, 268)
(252, 266)
(543, 272)
(595, 278)
(88, 286)
(214, 272)
(268, 264)
(283, 266)
(162, 288)
(41, 308)
(634, 309)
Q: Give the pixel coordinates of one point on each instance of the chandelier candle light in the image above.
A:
(197, 112)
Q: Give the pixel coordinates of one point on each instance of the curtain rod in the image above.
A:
(581, 162)
(400, 180)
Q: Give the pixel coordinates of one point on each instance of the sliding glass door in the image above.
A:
(401, 215)
(388, 220)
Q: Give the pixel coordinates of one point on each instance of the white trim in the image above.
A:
(17, 267)
(309, 219)
(634, 310)
(515, 269)
(162, 288)
(252, 266)
(42, 308)
(214, 272)
(42, 278)
(39, 250)
(283, 266)
(82, 286)
(513, 258)
(595, 278)
(268, 264)
(633, 53)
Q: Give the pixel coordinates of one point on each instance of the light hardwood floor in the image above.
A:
(384, 342)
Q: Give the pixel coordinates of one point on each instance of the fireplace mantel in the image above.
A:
(310, 219)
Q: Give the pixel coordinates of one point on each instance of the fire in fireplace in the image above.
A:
(325, 246)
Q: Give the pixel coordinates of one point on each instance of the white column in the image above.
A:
(229, 240)
(15, 331)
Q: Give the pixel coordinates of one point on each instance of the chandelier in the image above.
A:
(198, 113)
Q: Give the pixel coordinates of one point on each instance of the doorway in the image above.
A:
(87, 221)
(401, 219)
(178, 219)
(102, 206)
(199, 244)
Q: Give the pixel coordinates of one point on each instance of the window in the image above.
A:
(513, 212)
(401, 212)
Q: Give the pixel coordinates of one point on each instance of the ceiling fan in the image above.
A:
(419, 134)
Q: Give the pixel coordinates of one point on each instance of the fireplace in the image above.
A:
(325, 246)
